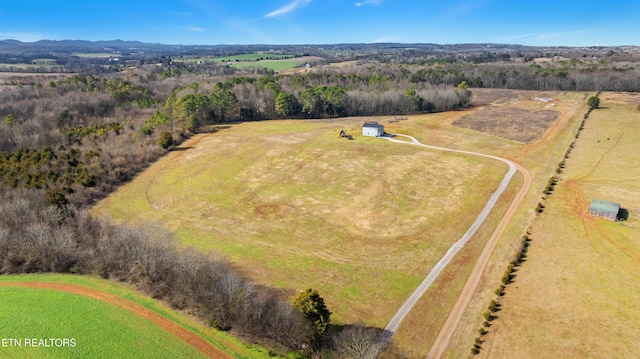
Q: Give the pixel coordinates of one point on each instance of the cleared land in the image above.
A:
(577, 294)
(96, 314)
(252, 57)
(268, 61)
(15, 78)
(362, 221)
(508, 122)
(296, 206)
(540, 158)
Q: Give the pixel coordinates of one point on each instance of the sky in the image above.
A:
(279, 22)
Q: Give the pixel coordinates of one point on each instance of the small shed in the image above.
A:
(604, 209)
(372, 129)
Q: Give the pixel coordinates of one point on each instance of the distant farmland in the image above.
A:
(275, 62)
(252, 57)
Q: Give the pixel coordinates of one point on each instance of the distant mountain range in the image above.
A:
(78, 44)
(11, 50)
(121, 44)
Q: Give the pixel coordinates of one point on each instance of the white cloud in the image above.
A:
(295, 4)
(369, 2)
(195, 28)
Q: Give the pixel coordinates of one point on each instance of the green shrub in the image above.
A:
(165, 141)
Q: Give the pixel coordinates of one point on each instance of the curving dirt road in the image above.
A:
(172, 327)
(467, 292)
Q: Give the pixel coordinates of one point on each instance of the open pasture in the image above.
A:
(95, 55)
(539, 156)
(252, 57)
(275, 65)
(577, 294)
(25, 67)
(296, 206)
(26, 78)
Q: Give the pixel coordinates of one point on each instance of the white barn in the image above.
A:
(372, 129)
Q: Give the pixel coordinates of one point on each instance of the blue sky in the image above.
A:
(208, 22)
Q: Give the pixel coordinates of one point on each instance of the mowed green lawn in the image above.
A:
(296, 206)
(578, 293)
(251, 57)
(275, 65)
(273, 62)
(99, 329)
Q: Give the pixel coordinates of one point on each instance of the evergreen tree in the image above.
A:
(311, 304)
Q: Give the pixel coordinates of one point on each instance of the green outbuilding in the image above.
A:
(604, 209)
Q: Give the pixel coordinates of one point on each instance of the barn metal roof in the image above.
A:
(372, 124)
(605, 206)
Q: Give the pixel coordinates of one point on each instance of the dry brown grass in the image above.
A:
(516, 124)
(577, 294)
(13, 78)
(293, 205)
(512, 114)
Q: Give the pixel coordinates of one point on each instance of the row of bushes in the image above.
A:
(521, 253)
(495, 305)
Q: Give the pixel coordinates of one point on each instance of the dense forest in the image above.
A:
(69, 139)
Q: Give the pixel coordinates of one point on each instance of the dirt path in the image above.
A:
(467, 292)
(172, 327)
(450, 324)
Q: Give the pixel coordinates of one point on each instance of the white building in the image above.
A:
(372, 129)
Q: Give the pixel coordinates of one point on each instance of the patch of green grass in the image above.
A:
(28, 66)
(44, 62)
(95, 55)
(75, 314)
(97, 328)
(251, 57)
(270, 65)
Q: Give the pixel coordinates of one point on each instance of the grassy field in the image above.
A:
(540, 157)
(96, 325)
(275, 65)
(273, 62)
(251, 57)
(362, 221)
(577, 294)
(296, 206)
(29, 66)
(14, 78)
(95, 55)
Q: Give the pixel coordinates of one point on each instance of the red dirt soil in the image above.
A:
(172, 327)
